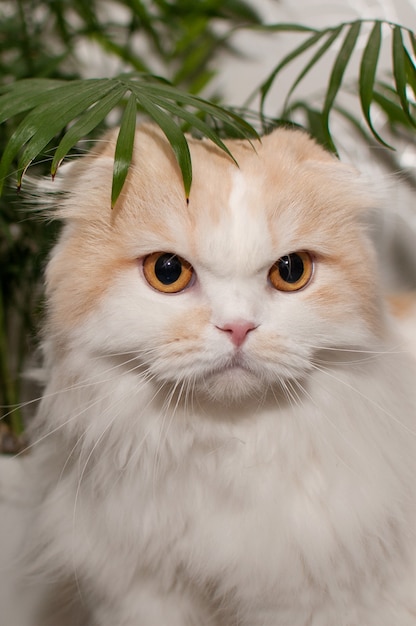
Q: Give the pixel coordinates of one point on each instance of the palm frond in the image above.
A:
(76, 108)
(320, 42)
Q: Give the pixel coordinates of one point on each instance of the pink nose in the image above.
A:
(238, 331)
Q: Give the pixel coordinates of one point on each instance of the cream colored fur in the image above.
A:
(183, 480)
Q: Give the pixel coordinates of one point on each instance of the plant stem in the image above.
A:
(26, 40)
(8, 385)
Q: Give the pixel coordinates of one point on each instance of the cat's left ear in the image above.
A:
(350, 186)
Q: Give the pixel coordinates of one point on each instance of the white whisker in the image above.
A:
(95, 379)
(323, 414)
(367, 398)
(78, 387)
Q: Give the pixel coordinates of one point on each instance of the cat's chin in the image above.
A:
(231, 385)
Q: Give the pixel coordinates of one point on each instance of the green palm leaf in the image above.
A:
(47, 119)
(337, 74)
(392, 110)
(401, 61)
(194, 121)
(333, 35)
(53, 118)
(266, 86)
(86, 123)
(403, 70)
(85, 104)
(175, 137)
(124, 148)
(410, 71)
(24, 95)
(170, 93)
(413, 42)
(368, 69)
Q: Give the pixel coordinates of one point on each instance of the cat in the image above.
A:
(227, 433)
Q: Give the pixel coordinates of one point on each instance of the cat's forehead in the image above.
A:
(231, 231)
(225, 217)
(284, 193)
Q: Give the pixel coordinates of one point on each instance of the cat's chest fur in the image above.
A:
(269, 508)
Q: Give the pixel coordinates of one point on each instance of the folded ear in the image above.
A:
(82, 186)
(90, 175)
(298, 145)
(103, 147)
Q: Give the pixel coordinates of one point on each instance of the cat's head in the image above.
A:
(230, 294)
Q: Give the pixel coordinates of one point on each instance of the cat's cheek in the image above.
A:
(125, 318)
(342, 316)
(347, 291)
(187, 325)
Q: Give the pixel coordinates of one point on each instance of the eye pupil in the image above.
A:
(291, 268)
(167, 272)
(168, 269)
(292, 272)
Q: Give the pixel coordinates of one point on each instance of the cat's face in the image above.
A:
(232, 293)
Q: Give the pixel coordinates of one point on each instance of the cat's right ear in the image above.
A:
(102, 151)
(82, 184)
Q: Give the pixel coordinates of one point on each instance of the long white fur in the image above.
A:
(176, 489)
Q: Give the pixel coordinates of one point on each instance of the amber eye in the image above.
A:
(292, 272)
(167, 272)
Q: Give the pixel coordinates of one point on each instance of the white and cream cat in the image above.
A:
(228, 431)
